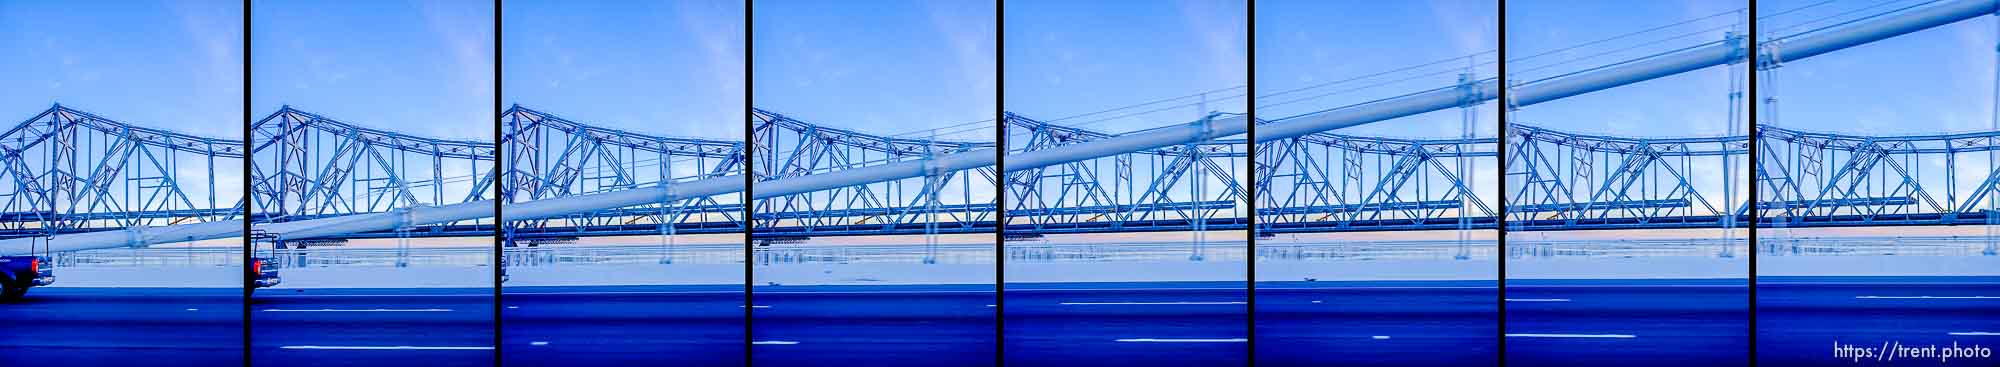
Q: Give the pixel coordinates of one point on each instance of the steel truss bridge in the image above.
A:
(69, 171)
(550, 157)
(314, 177)
(1813, 179)
(1566, 181)
(1190, 187)
(1327, 182)
(937, 202)
(306, 166)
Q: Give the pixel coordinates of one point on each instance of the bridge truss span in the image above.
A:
(1188, 187)
(940, 201)
(1815, 179)
(1567, 181)
(1327, 182)
(551, 157)
(72, 171)
(306, 166)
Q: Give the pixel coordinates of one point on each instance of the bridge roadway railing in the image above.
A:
(567, 255)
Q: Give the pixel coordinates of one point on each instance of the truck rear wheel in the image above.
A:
(13, 292)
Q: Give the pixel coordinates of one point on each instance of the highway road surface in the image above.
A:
(1127, 324)
(623, 326)
(1627, 323)
(372, 327)
(129, 327)
(1400, 323)
(1800, 320)
(900, 325)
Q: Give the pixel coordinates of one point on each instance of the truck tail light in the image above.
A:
(35, 266)
(257, 267)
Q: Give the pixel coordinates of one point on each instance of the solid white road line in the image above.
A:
(357, 310)
(755, 306)
(1974, 333)
(1537, 300)
(1613, 336)
(1146, 303)
(774, 342)
(1379, 337)
(538, 343)
(1155, 340)
(396, 347)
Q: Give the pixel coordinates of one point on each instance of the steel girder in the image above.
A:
(550, 157)
(1566, 181)
(1185, 187)
(307, 166)
(942, 201)
(70, 171)
(1337, 183)
(1811, 179)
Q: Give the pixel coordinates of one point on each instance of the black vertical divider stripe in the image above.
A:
(1000, 187)
(499, 193)
(1751, 175)
(1500, 223)
(749, 178)
(1250, 175)
(249, 284)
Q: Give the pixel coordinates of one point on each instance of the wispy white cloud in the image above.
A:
(469, 41)
(1220, 29)
(218, 75)
(1469, 27)
(721, 48)
(970, 40)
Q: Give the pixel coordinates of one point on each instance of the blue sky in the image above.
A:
(1303, 44)
(1689, 104)
(881, 67)
(671, 68)
(418, 67)
(176, 65)
(1066, 58)
(1942, 78)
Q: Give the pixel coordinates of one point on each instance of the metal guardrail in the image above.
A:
(1879, 246)
(148, 257)
(1378, 250)
(561, 255)
(1126, 252)
(284, 258)
(378, 257)
(875, 254)
(1690, 247)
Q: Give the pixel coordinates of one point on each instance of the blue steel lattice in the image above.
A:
(307, 166)
(1178, 188)
(949, 202)
(1326, 182)
(551, 157)
(71, 171)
